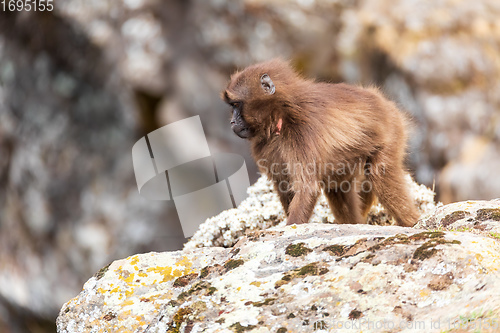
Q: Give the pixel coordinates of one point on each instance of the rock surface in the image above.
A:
(262, 209)
(480, 217)
(300, 278)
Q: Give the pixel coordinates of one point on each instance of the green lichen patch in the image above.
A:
(235, 251)
(182, 296)
(204, 272)
(199, 307)
(495, 235)
(173, 303)
(207, 270)
(284, 280)
(179, 318)
(312, 269)
(238, 328)
(188, 315)
(393, 240)
(267, 301)
(463, 229)
(102, 272)
(184, 280)
(360, 246)
(297, 250)
(202, 286)
(396, 239)
(427, 235)
(428, 249)
(232, 264)
(487, 316)
(270, 234)
(337, 250)
(453, 217)
(279, 283)
(372, 246)
(488, 214)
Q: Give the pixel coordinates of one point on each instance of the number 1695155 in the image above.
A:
(27, 5)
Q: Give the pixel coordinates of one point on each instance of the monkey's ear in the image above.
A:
(267, 84)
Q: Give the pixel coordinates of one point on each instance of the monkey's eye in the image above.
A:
(235, 105)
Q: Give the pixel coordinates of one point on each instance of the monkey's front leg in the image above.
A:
(302, 204)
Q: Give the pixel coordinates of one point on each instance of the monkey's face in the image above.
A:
(244, 96)
(238, 124)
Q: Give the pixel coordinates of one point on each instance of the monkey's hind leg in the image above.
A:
(345, 206)
(391, 190)
(285, 199)
(368, 199)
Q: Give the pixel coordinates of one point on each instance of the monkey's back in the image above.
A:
(352, 120)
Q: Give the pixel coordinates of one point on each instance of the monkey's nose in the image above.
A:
(233, 122)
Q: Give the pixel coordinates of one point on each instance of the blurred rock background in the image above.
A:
(80, 85)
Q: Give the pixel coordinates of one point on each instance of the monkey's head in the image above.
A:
(256, 96)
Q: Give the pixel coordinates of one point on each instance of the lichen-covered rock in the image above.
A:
(262, 209)
(479, 217)
(70, 80)
(298, 278)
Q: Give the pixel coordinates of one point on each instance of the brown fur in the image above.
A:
(323, 126)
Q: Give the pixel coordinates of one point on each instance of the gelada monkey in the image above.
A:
(308, 137)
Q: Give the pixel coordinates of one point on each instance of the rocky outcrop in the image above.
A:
(480, 217)
(80, 84)
(262, 209)
(300, 278)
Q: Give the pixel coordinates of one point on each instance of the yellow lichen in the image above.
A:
(424, 293)
(134, 260)
(127, 302)
(166, 272)
(129, 278)
(184, 262)
(125, 314)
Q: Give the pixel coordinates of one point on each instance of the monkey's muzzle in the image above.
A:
(242, 132)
